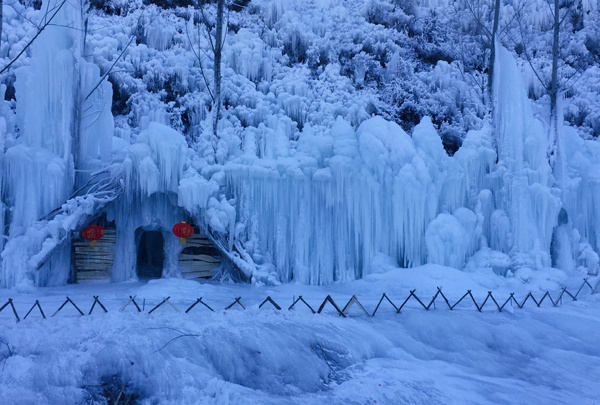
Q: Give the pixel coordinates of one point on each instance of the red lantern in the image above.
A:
(183, 231)
(93, 233)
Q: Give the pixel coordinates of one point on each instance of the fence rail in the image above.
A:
(427, 305)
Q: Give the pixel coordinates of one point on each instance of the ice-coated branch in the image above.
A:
(56, 10)
(212, 97)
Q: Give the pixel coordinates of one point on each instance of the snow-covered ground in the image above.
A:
(546, 355)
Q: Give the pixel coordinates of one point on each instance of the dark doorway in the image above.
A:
(151, 255)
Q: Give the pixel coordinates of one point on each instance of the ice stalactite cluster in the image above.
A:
(582, 198)
(39, 166)
(39, 170)
(97, 123)
(356, 194)
(323, 212)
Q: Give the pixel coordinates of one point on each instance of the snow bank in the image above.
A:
(261, 355)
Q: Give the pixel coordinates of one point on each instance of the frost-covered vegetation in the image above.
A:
(347, 130)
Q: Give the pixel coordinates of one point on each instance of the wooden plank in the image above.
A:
(103, 259)
(81, 275)
(196, 274)
(105, 240)
(204, 258)
(87, 269)
(96, 268)
(107, 233)
(101, 256)
(199, 237)
(94, 258)
(193, 268)
(82, 246)
(98, 250)
(95, 273)
(84, 253)
(94, 262)
(86, 262)
(199, 241)
(107, 254)
(197, 266)
(199, 245)
(201, 250)
(93, 267)
(106, 257)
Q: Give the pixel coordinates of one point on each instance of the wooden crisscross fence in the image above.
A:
(343, 312)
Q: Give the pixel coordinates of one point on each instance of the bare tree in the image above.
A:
(216, 47)
(46, 21)
(77, 113)
(553, 85)
(481, 15)
(493, 40)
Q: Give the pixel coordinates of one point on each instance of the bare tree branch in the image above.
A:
(109, 70)
(35, 36)
(201, 66)
(517, 13)
(207, 27)
(174, 339)
(527, 55)
(477, 18)
(116, 60)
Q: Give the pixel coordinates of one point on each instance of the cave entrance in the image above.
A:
(150, 254)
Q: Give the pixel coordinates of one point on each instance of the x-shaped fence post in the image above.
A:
(10, 302)
(68, 300)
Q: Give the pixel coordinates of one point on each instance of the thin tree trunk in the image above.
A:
(554, 89)
(76, 126)
(493, 54)
(217, 70)
(1, 4)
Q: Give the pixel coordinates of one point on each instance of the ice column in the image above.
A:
(524, 179)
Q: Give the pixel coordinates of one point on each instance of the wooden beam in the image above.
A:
(203, 258)
(197, 266)
(196, 274)
(86, 275)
